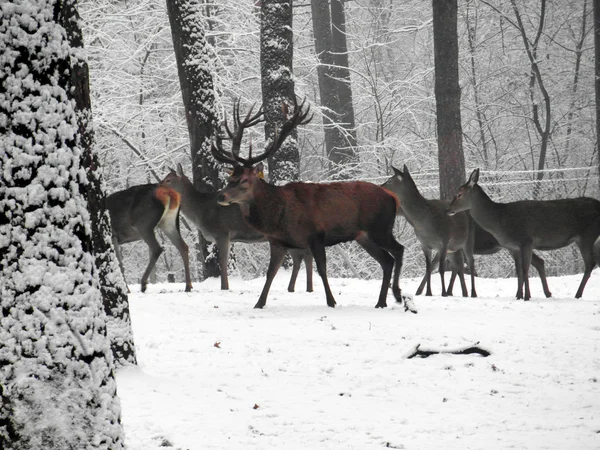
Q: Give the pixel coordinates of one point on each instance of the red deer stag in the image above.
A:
(528, 224)
(310, 215)
(225, 224)
(435, 230)
(136, 212)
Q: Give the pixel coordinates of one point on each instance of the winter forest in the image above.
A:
(100, 96)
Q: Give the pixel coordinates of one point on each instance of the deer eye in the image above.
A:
(244, 182)
(459, 195)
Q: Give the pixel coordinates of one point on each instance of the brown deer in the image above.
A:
(135, 213)
(435, 230)
(529, 224)
(311, 215)
(487, 244)
(225, 224)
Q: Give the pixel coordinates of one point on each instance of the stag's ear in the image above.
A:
(474, 178)
(228, 170)
(259, 170)
(179, 170)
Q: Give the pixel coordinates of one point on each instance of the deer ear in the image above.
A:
(398, 172)
(259, 170)
(474, 178)
(228, 171)
(179, 169)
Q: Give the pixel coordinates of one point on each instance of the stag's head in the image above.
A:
(462, 200)
(247, 172)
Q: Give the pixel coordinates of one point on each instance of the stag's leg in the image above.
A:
(308, 263)
(443, 253)
(385, 260)
(297, 256)
(176, 239)
(277, 255)
(318, 251)
(538, 263)
(223, 245)
(586, 248)
(155, 251)
(526, 250)
(434, 263)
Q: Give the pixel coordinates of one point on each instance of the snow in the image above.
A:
(214, 373)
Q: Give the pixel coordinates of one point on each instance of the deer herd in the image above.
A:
(297, 218)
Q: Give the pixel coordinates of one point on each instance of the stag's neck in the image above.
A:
(486, 212)
(266, 208)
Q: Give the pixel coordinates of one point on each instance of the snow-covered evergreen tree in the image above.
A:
(57, 388)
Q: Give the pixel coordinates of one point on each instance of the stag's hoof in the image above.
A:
(188, 288)
(381, 305)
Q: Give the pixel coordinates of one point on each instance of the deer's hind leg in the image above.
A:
(458, 266)
(384, 259)
(586, 248)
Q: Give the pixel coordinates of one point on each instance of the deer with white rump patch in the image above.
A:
(529, 224)
(311, 215)
(135, 213)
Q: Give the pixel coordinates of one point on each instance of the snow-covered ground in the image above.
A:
(214, 373)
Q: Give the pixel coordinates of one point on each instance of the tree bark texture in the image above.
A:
(597, 79)
(195, 77)
(337, 145)
(57, 386)
(112, 284)
(277, 79)
(447, 98)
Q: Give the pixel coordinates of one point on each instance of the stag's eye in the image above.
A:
(244, 182)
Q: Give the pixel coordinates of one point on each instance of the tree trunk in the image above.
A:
(57, 386)
(195, 78)
(276, 66)
(447, 98)
(597, 80)
(112, 284)
(339, 152)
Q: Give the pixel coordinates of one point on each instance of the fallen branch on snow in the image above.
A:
(425, 353)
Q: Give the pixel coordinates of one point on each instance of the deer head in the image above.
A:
(462, 200)
(247, 172)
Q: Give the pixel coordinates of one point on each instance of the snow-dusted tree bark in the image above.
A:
(195, 77)
(447, 97)
(112, 284)
(57, 388)
(277, 79)
(338, 148)
(597, 81)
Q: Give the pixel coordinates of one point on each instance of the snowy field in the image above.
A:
(214, 373)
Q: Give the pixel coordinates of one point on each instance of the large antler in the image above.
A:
(299, 117)
(240, 125)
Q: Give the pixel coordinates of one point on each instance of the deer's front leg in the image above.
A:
(277, 255)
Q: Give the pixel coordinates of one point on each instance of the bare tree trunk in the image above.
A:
(276, 66)
(57, 386)
(193, 66)
(339, 153)
(447, 97)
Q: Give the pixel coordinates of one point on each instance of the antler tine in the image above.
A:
(220, 154)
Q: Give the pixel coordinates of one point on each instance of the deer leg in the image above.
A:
(587, 253)
(119, 256)
(458, 264)
(385, 260)
(155, 251)
(308, 263)
(183, 249)
(443, 253)
(223, 244)
(318, 251)
(450, 287)
(434, 264)
(526, 251)
(277, 255)
(519, 269)
(538, 263)
(427, 254)
(297, 256)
